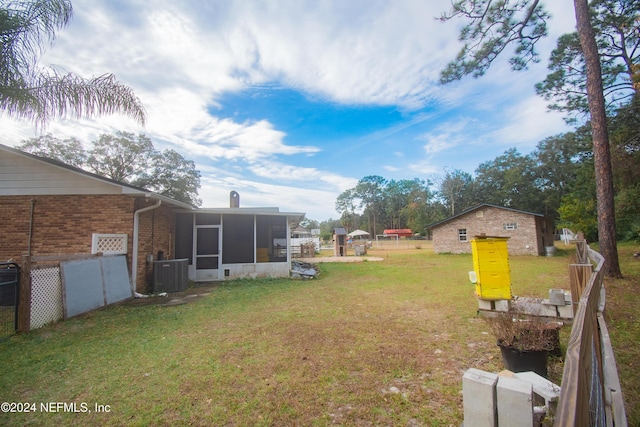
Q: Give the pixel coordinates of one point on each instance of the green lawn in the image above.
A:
(374, 343)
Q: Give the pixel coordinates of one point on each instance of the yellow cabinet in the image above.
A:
(491, 267)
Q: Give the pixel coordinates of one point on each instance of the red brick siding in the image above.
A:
(156, 233)
(65, 225)
(525, 240)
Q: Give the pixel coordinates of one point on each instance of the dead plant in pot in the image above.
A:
(525, 341)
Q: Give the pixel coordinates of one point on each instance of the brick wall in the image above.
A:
(65, 225)
(156, 233)
(527, 239)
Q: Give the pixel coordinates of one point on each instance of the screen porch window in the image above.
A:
(462, 235)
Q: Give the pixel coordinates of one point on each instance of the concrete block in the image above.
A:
(528, 305)
(484, 304)
(566, 311)
(503, 305)
(479, 398)
(547, 309)
(515, 402)
(556, 296)
(567, 297)
(545, 392)
(549, 391)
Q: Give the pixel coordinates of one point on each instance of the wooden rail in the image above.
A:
(590, 393)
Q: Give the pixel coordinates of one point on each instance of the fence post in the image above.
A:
(579, 275)
(582, 252)
(24, 303)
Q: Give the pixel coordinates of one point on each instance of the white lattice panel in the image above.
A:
(46, 296)
(109, 244)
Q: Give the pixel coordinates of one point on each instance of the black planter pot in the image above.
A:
(522, 361)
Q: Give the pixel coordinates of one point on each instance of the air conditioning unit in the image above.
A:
(170, 275)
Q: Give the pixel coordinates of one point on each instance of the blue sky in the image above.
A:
(291, 102)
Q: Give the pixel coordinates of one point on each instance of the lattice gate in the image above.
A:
(46, 296)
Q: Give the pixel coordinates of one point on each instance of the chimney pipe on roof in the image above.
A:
(234, 199)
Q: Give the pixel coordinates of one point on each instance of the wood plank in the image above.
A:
(579, 275)
(613, 390)
(582, 252)
(573, 407)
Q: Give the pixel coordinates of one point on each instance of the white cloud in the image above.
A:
(423, 167)
(449, 135)
(181, 57)
(296, 176)
(317, 204)
(356, 52)
(528, 123)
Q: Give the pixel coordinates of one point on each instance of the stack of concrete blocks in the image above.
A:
(501, 305)
(507, 399)
(558, 305)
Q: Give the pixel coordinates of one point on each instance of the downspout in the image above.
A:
(134, 256)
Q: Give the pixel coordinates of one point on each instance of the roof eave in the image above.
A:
(451, 218)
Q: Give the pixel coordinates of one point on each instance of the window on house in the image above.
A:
(462, 235)
(511, 226)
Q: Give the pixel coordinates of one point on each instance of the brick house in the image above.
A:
(528, 233)
(50, 208)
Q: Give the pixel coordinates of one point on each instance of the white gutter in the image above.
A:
(134, 256)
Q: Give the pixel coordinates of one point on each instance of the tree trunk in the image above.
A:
(601, 152)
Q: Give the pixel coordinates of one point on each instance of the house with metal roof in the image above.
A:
(529, 233)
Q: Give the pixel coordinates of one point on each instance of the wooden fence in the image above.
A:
(591, 394)
(304, 250)
(41, 290)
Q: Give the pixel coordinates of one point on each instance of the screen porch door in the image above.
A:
(207, 251)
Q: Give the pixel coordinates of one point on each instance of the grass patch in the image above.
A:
(383, 343)
(623, 321)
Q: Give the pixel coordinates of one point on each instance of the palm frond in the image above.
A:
(31, 93)
(52, 96)
(26, 26)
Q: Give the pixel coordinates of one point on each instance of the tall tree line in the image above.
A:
(557, 179)
(376, 203)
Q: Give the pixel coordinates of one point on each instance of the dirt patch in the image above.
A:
(340, 259)
(174, 298)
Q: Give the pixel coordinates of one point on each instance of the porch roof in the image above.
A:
(268, 211)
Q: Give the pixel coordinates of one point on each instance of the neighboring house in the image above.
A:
(300, 233)
(49, 208)
(400, 232)
(528, 233)
(300, 237)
